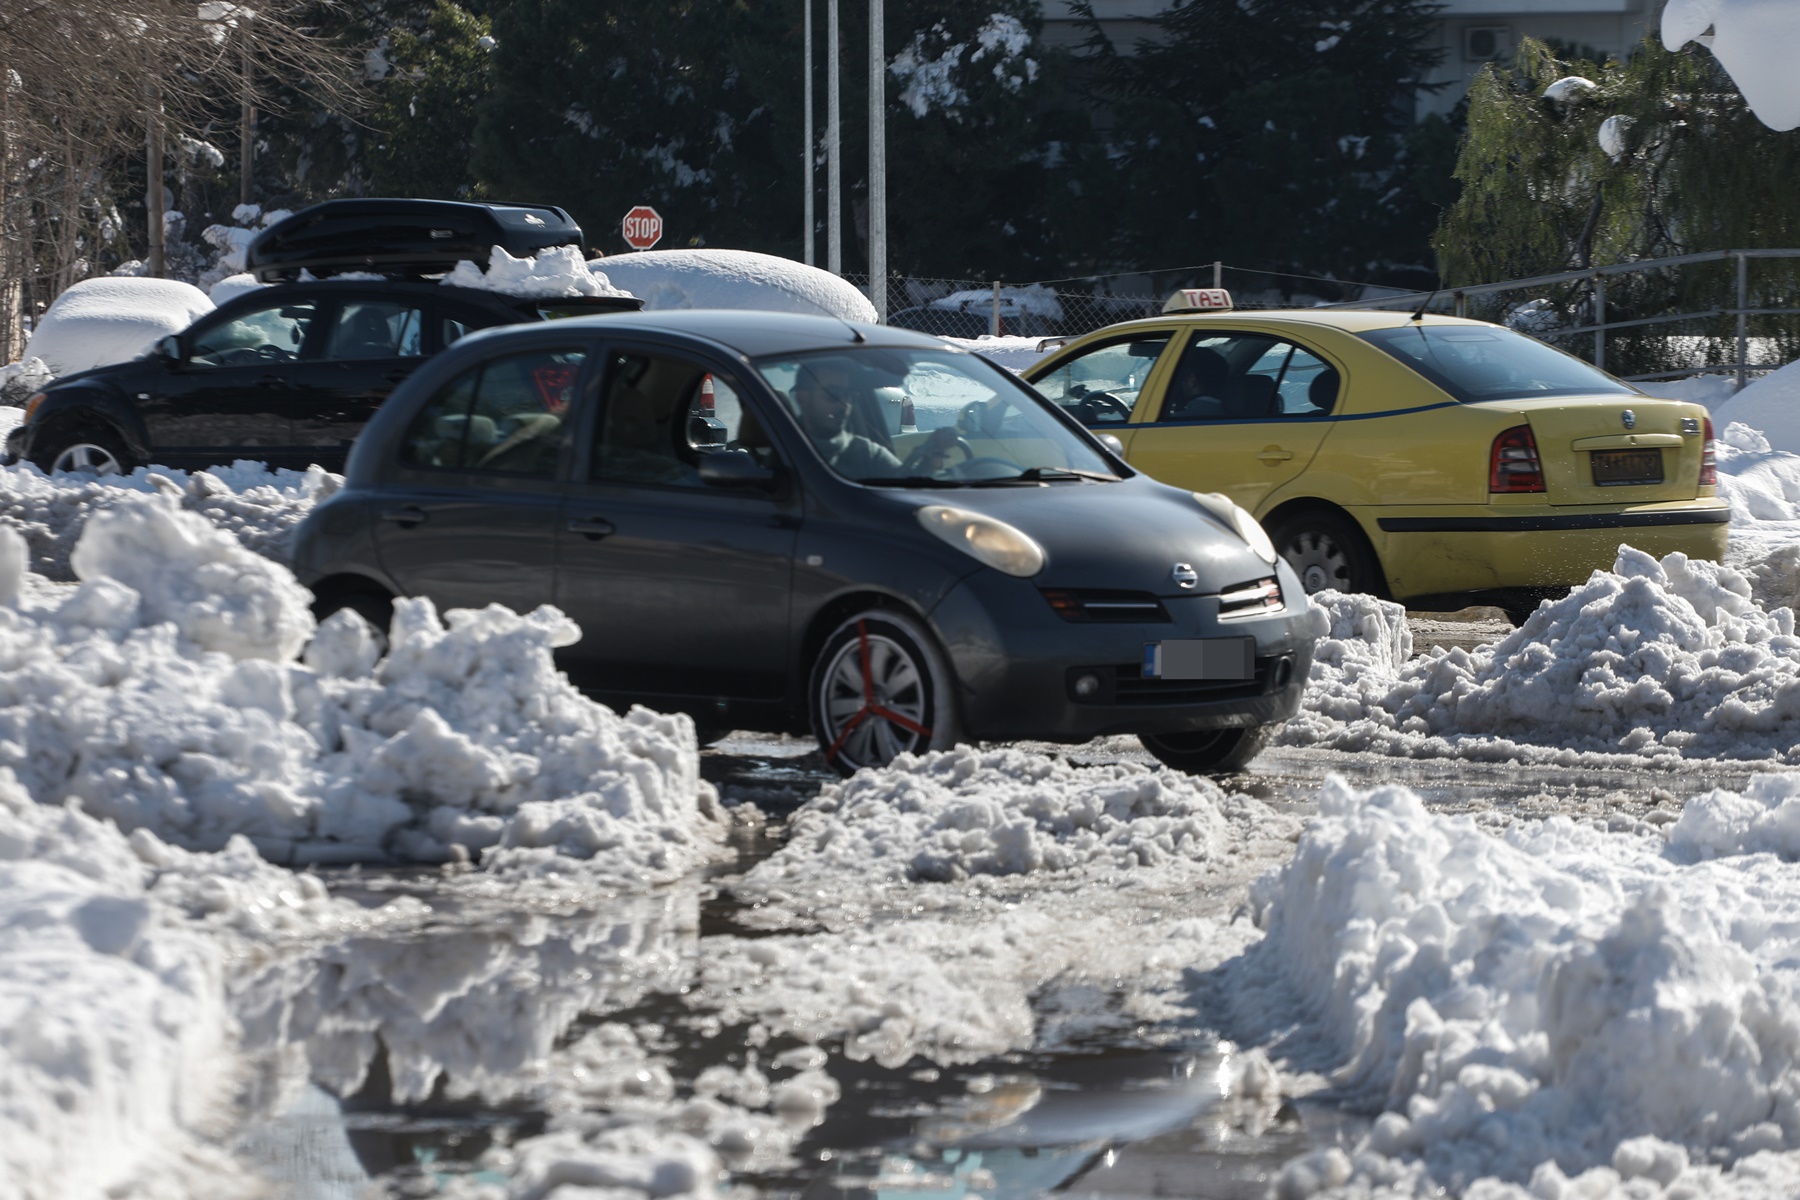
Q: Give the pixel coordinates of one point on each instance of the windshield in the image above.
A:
(928, 418)
(1487, 362)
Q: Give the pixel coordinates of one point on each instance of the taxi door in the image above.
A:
(1240, 413)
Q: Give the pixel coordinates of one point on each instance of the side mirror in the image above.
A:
(733, 469)
(168, 349)
(1111, 443)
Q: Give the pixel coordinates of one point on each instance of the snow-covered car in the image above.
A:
(964, 563)
(1436, 460)
(285, 375)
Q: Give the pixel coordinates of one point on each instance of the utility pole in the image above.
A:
(246, 110)
(809, 132)
(834, 175)
(877, 162)
(154, 204)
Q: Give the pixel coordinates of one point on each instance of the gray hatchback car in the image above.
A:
(785, 523)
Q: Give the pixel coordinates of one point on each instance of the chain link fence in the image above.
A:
(971, 308)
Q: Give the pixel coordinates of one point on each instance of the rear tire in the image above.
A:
(1209, 751)
(880, 688)
(1327, 550)
(87, 452)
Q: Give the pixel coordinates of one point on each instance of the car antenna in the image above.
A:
(1419, 312)
(854, 331)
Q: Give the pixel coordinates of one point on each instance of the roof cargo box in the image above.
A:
(403, 237)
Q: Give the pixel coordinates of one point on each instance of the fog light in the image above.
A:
(1087, 685)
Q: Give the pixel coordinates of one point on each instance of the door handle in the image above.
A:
(592, 528)
(1274, 454)
(270, 381)
(397, 375)
(407, 516)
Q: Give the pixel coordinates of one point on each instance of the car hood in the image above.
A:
(1125, 536)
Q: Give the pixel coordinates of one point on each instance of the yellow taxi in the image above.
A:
(1432, 459)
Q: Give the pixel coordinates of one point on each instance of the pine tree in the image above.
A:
(437, 79)
(1270, 135)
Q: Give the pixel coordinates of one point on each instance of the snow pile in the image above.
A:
(1770, 405)
(112, 319)
(1550, 1003)
(555, 272)
(257, 506)
(956, 813)
(115, 1041)
(19, 380)
(1656, 659)
(1755, 42)
(733, 279)
(957, 894)
(162, 696)
(1013, 353)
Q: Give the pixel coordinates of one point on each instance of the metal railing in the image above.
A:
(1599, 327)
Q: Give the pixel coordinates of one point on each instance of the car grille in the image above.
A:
(1255, 598)
(1090, 606)
(1125, 684)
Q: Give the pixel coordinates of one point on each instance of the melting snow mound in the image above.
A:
(1670, 658)
(169, 700)
(1560, 1009)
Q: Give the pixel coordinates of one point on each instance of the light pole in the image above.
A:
(877, 162)
(807, 38)
(834, 177)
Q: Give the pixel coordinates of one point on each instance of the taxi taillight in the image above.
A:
(1709, 459)
(1514, 465)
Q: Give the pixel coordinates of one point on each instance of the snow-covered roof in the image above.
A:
(706, 278)
(111, 319)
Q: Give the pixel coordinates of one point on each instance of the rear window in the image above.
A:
(1483, 362)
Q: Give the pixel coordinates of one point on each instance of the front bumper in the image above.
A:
(1458, 549)
(1017, 664)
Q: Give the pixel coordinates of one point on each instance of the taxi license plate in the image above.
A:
(1201, 658)
(1613, 468)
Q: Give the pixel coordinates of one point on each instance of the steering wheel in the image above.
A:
(963, 467)
(1098, 408)
(916, 460)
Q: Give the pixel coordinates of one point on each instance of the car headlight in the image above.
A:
(1247, 527)
(984, 539)
(31, 406)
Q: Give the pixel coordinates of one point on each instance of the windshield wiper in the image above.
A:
(918, 481)
(1046, 474)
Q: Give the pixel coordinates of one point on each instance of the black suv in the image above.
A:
(288, 374)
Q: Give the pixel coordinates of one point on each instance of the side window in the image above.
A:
(265, 335)
(1247, 377)
(504, 415)
(659, 415)
(1100, 387)
(376, 329)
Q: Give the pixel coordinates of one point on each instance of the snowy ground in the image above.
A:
(1507, 1000)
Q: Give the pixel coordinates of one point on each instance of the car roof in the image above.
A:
(746, 332)
(1349, 320)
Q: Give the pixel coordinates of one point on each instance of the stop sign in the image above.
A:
(642, 227)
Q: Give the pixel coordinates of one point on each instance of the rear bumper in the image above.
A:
(1017, 664)
(1452, 550)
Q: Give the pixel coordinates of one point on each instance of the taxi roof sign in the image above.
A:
(1199, 300)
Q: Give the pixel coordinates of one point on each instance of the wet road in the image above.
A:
(418, 1043)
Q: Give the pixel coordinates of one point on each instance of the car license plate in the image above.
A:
(1615, 467)
(1201, 658)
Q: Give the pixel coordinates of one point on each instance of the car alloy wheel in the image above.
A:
(880, 689)
(91, 458)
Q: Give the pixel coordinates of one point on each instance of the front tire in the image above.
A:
(87, 452)
(1327, 550)
(881, 688)
(1209, 751)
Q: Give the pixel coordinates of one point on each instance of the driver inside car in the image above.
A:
(822, 391)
